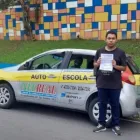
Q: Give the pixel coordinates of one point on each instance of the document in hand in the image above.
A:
(106, 62)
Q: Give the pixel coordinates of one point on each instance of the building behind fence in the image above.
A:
(68, 19)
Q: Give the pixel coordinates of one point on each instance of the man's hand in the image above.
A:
(120, 68)
(98, 62)
(113, 63)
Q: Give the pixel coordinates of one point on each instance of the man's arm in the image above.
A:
(97, 63)
(120, 68)
(123, 64)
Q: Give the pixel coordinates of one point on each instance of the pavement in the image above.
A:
(37, 122)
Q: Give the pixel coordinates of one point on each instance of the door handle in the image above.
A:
(91, 77)
(51, 76)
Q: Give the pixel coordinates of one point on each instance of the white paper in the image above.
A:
(106, 62)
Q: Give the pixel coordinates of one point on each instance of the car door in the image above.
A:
(39, 84)
(76, 84)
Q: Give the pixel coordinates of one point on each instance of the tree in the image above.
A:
(4, 4)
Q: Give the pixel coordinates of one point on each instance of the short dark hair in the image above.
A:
(111, 32)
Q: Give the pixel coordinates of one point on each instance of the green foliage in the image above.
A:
(4, 4)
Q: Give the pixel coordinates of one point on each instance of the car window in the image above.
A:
(82, 66)
(133, 66)
(49, 61)
(81, 62)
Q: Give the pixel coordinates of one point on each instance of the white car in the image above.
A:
(54, 78)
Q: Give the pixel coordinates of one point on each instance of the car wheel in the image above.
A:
(93, 112)
(7, 96)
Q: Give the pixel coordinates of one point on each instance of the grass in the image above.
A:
(18, 51)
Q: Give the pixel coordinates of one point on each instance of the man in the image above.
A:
(109, 83)
(77, 62)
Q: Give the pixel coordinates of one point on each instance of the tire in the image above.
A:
(7, 96)
(93, 112)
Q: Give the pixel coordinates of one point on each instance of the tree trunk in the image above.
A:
(26, 19)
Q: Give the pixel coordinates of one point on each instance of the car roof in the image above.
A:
(79, 51)
(74, 50)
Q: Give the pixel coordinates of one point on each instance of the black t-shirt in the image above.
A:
(110, 79)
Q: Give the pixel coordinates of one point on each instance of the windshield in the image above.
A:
(133, 66)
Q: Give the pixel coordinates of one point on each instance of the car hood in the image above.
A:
(9, 73)
(12, 68)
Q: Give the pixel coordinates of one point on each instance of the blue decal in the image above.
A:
(38, 94)
(63, 94)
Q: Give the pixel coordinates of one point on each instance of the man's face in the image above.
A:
(111, 40)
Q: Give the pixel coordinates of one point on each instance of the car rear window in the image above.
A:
(132, 65)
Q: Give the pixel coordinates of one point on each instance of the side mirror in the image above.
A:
(26, 65)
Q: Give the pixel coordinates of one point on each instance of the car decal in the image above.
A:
(41, 90)
(29, 76)
(65, 77)
(137, 78)
(77, 77)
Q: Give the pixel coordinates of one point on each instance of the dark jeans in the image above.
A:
(111, 96)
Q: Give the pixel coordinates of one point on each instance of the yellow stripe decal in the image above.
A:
(137, 78)
(65, 77)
